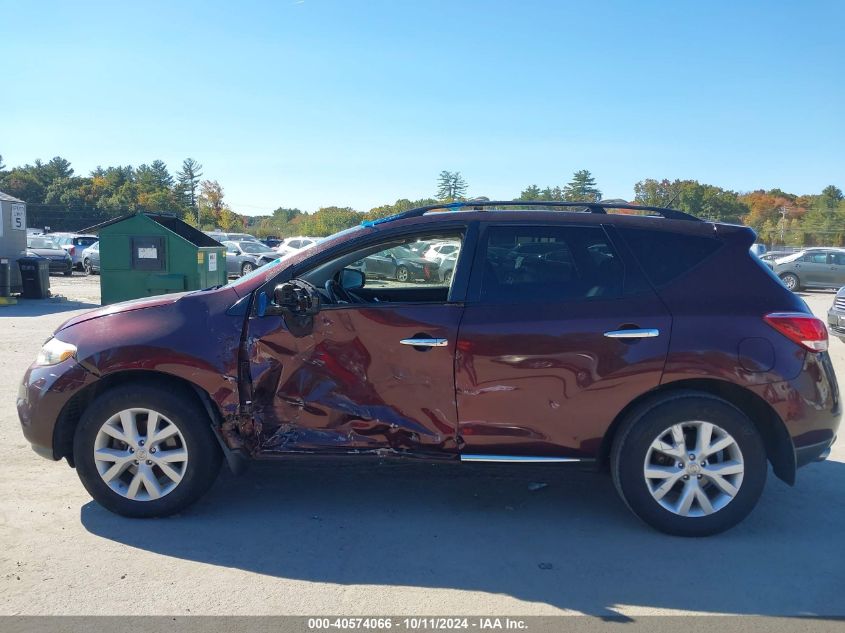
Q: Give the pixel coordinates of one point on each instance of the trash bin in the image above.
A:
(35, 277)
(147, 254)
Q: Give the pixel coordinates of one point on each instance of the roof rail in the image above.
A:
(477, 205)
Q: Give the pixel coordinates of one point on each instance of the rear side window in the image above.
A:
(549, 264)
(665, 256)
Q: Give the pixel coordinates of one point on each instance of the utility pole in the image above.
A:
(783, 212)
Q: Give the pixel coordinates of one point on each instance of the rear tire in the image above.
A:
(158, 483)
(403, 274)
(680, 492)
(791, 282)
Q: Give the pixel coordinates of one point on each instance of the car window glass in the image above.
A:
(838, 259)
(294, 243)
(665, 255)
(399, 268)
(549, 264)
(816, 258)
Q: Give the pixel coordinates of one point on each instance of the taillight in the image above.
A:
(804, 329)
(70, 251)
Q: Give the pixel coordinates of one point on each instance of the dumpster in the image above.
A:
(146, 254)
(35, 277)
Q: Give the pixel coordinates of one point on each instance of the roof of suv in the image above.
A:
(516, 205)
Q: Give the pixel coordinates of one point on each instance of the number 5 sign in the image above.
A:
(19, 217)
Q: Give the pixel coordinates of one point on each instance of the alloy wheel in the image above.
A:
(140, 454)
(402, 274)
(247, 268)
(694, 468)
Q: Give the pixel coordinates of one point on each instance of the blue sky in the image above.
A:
(318, 102)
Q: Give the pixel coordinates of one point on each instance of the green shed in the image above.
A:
(146, 254)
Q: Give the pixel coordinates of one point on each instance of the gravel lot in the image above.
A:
(392, 538)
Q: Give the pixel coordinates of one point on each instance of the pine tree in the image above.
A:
(582, 187)
(188, 181)
(451, 186)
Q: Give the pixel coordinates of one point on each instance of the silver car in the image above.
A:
(245, 256)
(836, 316)
(812, 268)
(74, 244)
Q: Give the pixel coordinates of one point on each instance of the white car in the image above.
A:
(438, 251)
(292, 245)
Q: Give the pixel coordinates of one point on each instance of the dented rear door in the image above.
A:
(351, 386)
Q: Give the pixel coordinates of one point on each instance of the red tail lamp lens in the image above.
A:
(804, 329)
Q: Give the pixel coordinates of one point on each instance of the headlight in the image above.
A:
(54, 352)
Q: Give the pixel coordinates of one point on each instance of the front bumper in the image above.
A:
(61, 265)
(836, 323)
(43, 396)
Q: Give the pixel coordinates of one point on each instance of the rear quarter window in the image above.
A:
(665, 256)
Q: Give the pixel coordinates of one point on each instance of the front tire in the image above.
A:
(142, 451)
(689, 464)
(791, 282)
(247, 268)
(86, 266)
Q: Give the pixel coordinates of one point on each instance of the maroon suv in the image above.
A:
(656, 347)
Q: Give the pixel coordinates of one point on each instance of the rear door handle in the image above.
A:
(425, 342)
(633, 333)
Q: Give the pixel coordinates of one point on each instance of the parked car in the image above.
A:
(291, 245)
(653, 361)
(436, 252)
(769, 257)
(812, 268)
(91, 259)
(245, 256)
(399, 263)
(836, 315)
(74, 244)
(272, 242)
(447, 267)
(222, 236)
(46, 246)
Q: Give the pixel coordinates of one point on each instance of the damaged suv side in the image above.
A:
(560, 336)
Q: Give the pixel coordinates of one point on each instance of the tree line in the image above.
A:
(780, 218)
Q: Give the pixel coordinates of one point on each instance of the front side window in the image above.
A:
(393, 271)
(549, 264)
(816, 258)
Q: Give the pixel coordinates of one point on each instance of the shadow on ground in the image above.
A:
(571, 544)
(39, 307)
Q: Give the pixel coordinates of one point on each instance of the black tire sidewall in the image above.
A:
(203, 452)
(631, 449)
(399, 271)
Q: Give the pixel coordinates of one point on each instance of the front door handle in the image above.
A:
(425, 342)
(633, 333)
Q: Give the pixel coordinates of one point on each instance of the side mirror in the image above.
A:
(352, 279)
(296, 298)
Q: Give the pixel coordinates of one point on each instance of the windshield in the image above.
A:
(790, 258)
(255, 247)
(42, 242)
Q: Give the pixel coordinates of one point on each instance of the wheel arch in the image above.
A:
(780, 450)
(72, 411)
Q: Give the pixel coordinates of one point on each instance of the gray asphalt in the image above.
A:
(385, 538)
